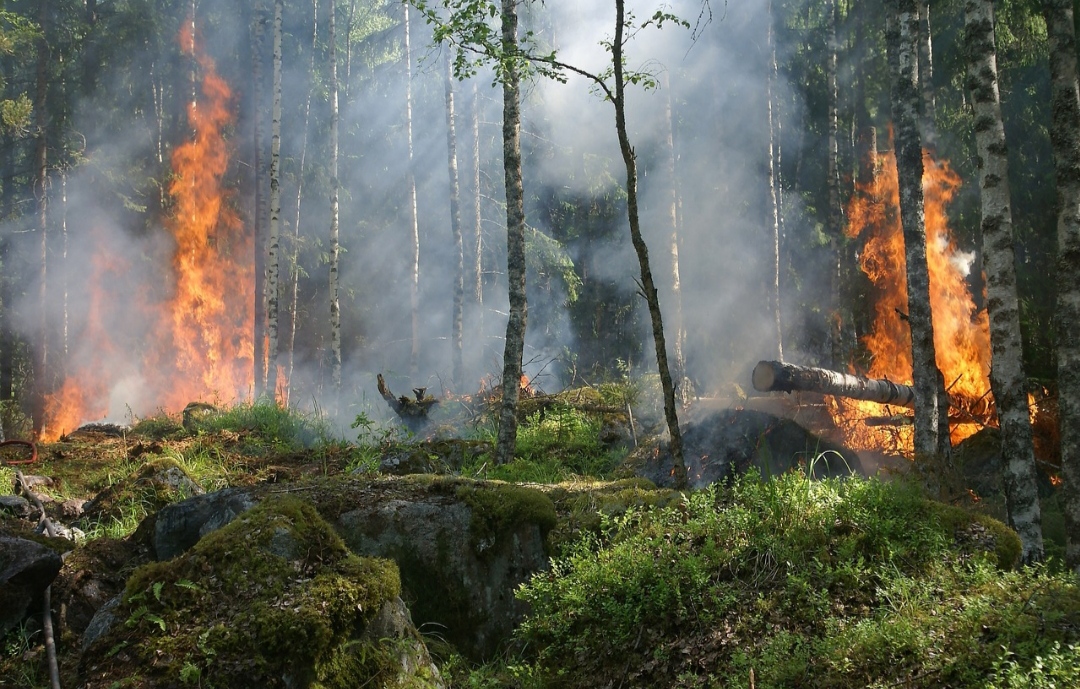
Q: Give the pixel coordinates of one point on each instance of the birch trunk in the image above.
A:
(931, 407)
(926, 76)
(671, 414)
(774, 288)
(671, 208)
(458, 373)
(41, 171)
(1007, 366)
(335, 306)
(834, 213)
(294, 276)
(258, 97)
(274, 244)
(1065, 139)
(478, 218)
(515, 240)
(410, 187)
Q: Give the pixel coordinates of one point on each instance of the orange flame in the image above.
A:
(961, 331)
(201, 346)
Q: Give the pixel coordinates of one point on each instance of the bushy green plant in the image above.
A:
(829, 583)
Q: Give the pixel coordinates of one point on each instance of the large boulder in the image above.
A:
(27, 568)
(273, 599)
(463, 548)
(721, 444)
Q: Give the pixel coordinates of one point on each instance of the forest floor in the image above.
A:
(761, 583)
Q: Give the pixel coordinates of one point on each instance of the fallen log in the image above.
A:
(772, 376)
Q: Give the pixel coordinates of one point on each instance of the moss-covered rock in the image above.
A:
(462, 546)
(274, 599)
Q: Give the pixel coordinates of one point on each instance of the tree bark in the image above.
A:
(931, 407)
(335, 184)
(834, 212)
(294, 277)
(41, 173)
(671, 208)
(776, 376)
(458, 373)
(258, 98)
(273, 301)
(1007, 377)
(410, 188)
(774, 288)
(647, 285)
(926, 77)
(1065, 139)
(478, 218)
(515, 239)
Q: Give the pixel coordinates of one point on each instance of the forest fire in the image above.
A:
(961, 331)
(200, 343)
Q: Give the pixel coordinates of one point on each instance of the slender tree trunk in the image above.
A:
(931, 405)
(258, 98)
(455, 228)
(671, 208)
(926, 76)
(515, 240)
(7, 334)
(671, 414)
(1065, 138)
(41, 359)
(335, 305)
(1007, 365)
(478, 217)
(274, 246)
(410, 188)
(294, 276)
(774, 219)
(834, 212)
(64, 315)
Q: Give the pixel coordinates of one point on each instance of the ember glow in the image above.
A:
(961, 332)
(200, 347)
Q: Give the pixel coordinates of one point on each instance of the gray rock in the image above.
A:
(179, 526)
(101, 622)
(26, 570)
(16, 505)
(718, 445)
(460, 581)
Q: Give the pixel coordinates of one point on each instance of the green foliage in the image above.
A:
(283, 594)
(268, 423)
(818, 583)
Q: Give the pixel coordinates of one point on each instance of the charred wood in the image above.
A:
(772, 376)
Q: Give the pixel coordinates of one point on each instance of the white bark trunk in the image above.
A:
(335, 249)
(1007, 366)
(274, 244)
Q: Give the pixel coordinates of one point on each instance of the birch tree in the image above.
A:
(258, 98)
(1007, 366)
(773, 204)
(458, 373)
(414, 228)
(335, 184)
(41, 197)
(1065, 139)
(274, 240)
(931, 405)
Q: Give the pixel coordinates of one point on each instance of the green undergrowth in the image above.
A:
(851, 583)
